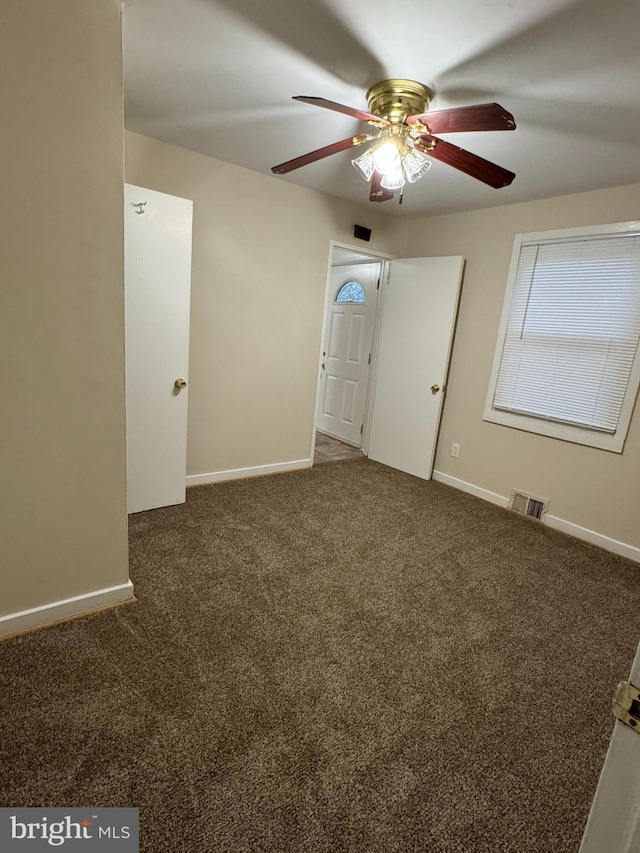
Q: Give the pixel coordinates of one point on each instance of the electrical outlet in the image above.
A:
(455, 450)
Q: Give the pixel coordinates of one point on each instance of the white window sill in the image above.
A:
(564, 432)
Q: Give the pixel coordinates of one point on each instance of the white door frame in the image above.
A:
(384, 259)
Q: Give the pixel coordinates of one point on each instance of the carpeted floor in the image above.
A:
(339, 659)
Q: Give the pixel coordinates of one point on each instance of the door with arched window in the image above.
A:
(347, 347)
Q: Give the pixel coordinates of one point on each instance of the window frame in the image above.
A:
(530, 423)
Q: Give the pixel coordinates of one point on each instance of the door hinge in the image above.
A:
(369, 362)
(378, 285)
(361, 428)
(626, 705)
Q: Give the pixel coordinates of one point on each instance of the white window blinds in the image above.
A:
(572, 331)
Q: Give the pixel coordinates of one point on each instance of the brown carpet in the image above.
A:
(340, 659)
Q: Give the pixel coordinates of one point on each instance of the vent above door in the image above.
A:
(528, 505)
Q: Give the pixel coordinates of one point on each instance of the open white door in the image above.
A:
(157, 303)
(418, 317)
(614, 822)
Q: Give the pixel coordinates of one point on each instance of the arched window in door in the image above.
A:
(350, 291)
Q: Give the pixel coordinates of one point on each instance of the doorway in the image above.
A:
(351, 313)
(383, 374)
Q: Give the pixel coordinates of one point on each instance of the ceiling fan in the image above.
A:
(398, 109)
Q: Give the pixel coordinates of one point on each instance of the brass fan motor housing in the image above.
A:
(396, 99)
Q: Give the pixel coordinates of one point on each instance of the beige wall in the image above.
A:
(260, 256)
(63, 495)
(595, 489)
(259, 271)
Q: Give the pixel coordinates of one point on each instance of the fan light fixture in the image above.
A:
(395, 159)
(393, 156)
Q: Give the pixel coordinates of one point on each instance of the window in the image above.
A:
(567, 362)
(350, 291)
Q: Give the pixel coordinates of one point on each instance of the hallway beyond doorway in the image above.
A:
(329, 449)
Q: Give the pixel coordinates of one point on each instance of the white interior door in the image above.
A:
(416, 332)
(157, 301)
(614, 822)
(348, 340)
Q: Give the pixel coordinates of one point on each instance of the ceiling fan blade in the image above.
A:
(460, 119)
(319, 154)
(467, 162)
(341, 108)
(379, 193)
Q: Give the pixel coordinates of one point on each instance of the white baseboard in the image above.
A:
(479, 492)
(613, 545)
(46, 614)
(241, 473)
(591, 536)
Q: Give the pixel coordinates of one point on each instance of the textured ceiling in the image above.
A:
(217, 76)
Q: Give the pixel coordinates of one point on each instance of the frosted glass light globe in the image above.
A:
(365, 164)
(387, 157)
(393, 179)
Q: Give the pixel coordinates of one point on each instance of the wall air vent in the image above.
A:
(525, 504)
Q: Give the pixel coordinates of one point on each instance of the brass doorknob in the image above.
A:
(180, 383)
(435, 389)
